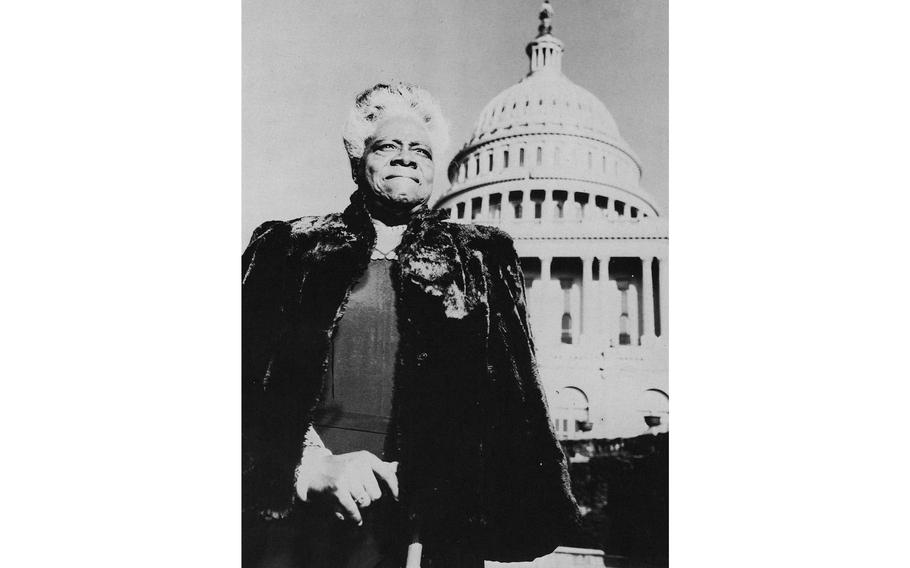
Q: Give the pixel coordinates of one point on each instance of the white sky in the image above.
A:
(303, 62)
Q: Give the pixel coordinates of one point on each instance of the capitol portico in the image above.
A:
(546, 163)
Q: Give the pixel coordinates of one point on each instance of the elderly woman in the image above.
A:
(390, 387)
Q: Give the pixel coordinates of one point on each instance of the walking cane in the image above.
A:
(414, 548)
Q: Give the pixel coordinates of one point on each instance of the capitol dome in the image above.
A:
(547, 102)
(539, 137)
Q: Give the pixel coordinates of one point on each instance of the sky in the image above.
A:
(305, 60)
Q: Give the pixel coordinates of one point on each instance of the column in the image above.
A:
(505, 206)
(632, 295)
(647, 299)
(576, 207)
(484, 214)
(527, 206)
(604, 311)
(550, 305)
(613, 312)
(546, 208)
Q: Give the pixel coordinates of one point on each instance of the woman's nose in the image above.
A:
(404, 158)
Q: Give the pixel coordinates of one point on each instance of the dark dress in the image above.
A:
(354, 415)
(357, 401)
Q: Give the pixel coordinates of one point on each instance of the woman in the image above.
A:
(390, 386)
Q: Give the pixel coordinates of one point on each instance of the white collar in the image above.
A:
(387, 240)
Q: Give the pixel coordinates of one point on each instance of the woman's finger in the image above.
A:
(348, 506)
(386, 472)
(370, 484)
(360, 494)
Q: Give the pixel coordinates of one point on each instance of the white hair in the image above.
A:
(396, 99)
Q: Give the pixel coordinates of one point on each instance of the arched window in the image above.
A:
(571, 411)
(539, 155)
(566, 322)
(654, 407)
(521, 157)
(566, 328)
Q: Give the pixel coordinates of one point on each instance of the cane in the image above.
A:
(414, 548)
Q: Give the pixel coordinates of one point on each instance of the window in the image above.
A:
(566, 323)
(559, 203)
(505, 159)
(495, 206)
(460, 208)
(515, 201)
(521, 157)
(625, 335)
(490, 162)
(539, 155)
(571, 410)
(537, 197)
(566, 336)
(654, 408)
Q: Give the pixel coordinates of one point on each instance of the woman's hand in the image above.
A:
(349, 480)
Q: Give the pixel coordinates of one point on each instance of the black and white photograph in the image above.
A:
(449, 345)
(455, 284)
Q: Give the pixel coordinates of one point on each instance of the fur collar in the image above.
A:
(428, 255)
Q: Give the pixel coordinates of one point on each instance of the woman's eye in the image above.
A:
(424, 152)
(387, 146)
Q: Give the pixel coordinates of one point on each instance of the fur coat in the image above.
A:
(480, 466)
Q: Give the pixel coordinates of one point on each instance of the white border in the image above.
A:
(120, 416)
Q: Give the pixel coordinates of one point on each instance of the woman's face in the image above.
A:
(397, 164)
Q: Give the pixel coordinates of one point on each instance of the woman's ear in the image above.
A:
(355, 170)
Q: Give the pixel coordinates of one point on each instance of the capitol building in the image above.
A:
(546, 163)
